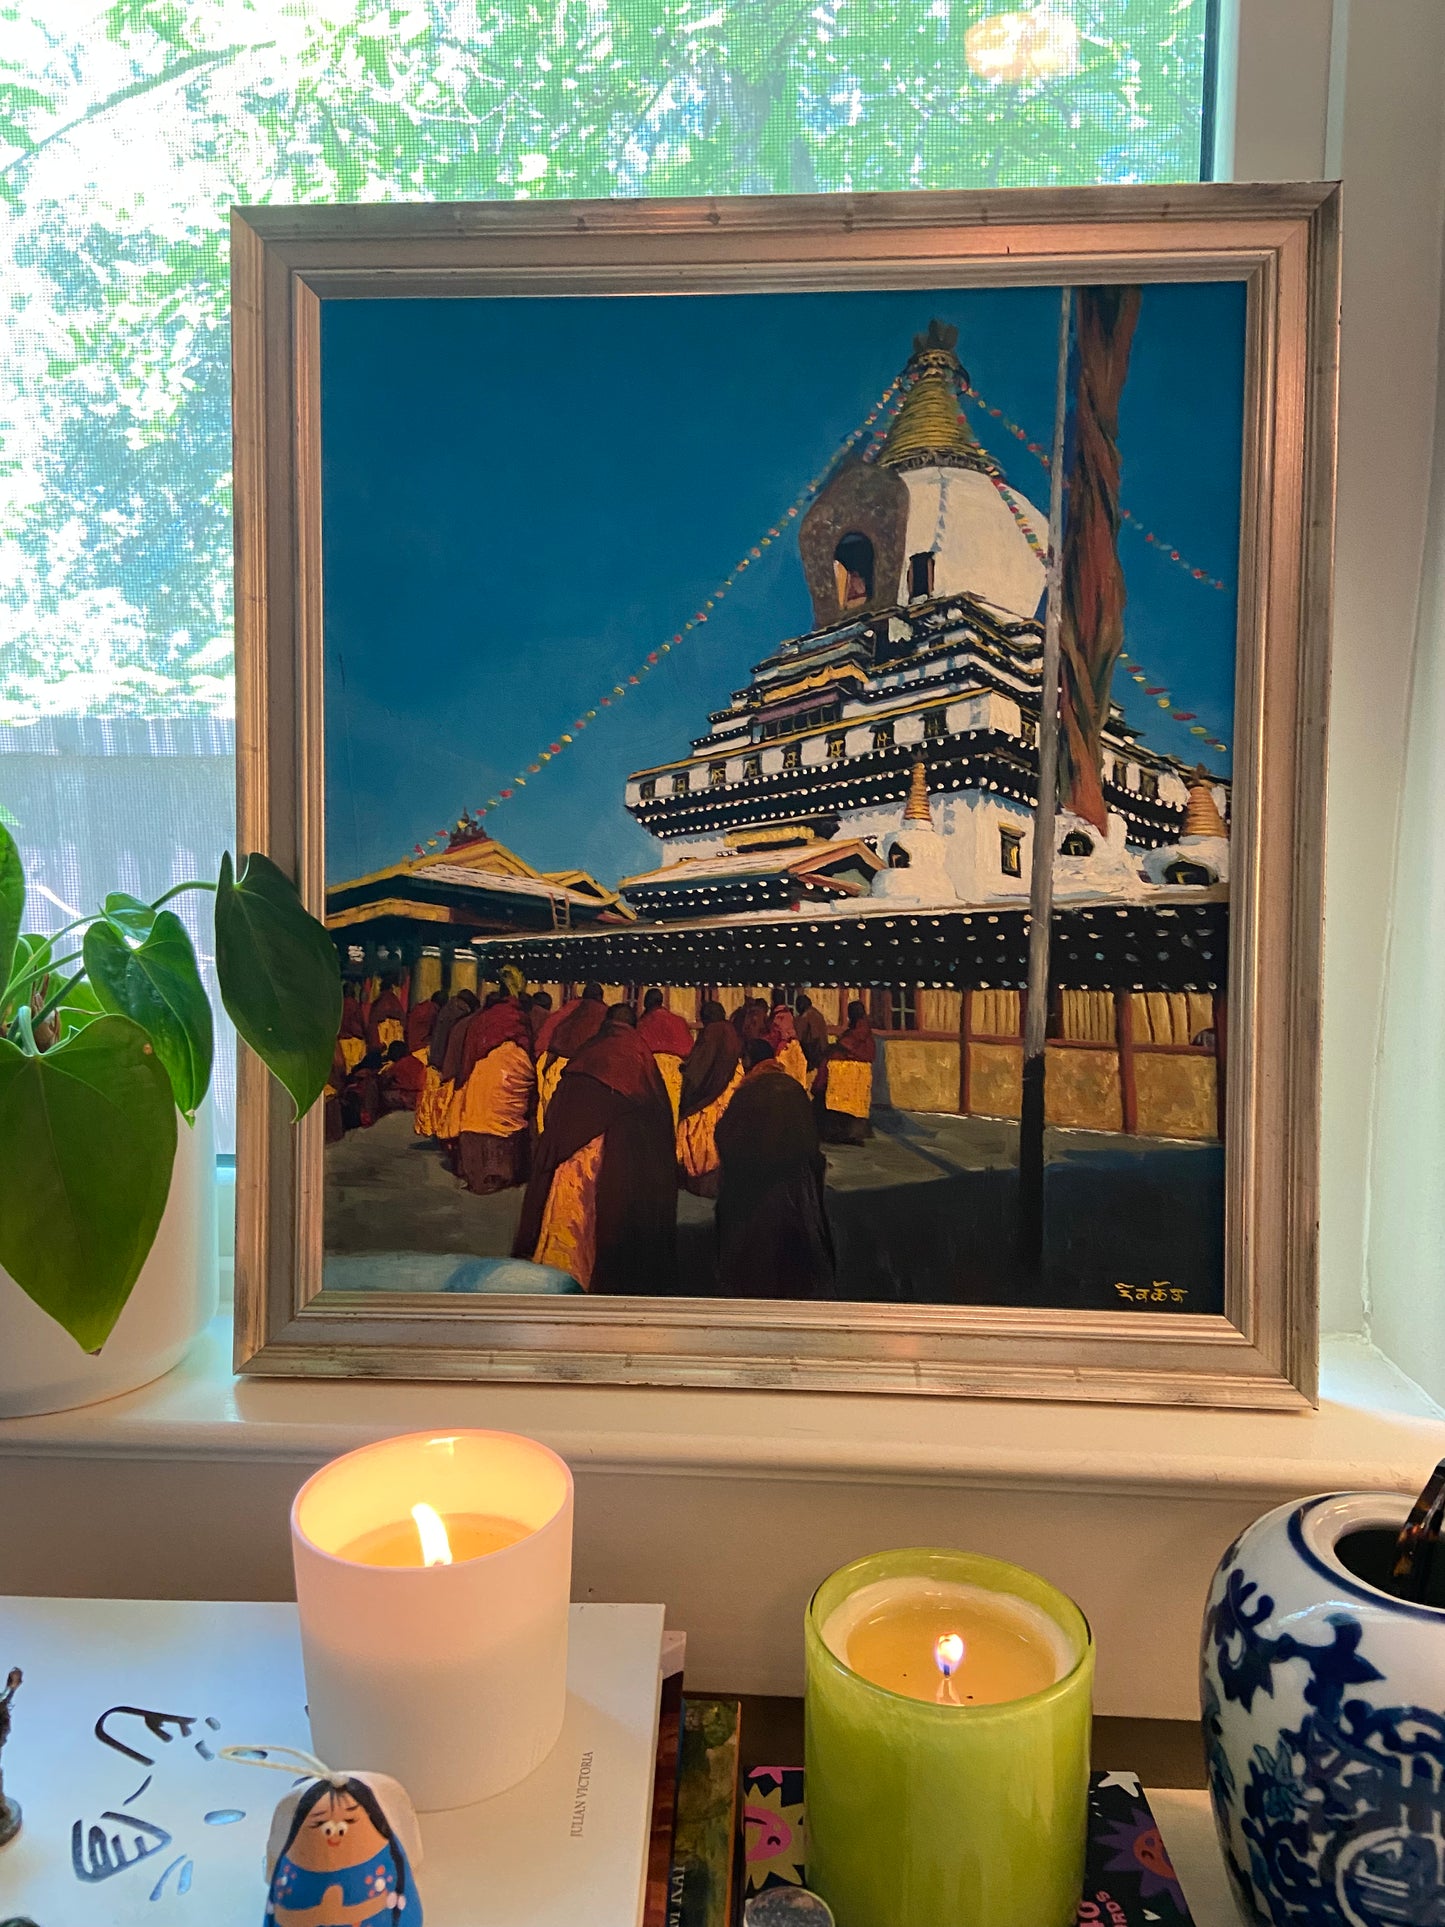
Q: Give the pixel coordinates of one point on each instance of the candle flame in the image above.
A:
(948, 1654)
(948, 1657)
(436, 1548)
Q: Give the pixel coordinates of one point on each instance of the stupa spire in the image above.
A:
(917, 810)
(930, 424)
(1201, 817)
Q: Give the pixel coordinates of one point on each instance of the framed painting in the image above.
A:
(804, 719)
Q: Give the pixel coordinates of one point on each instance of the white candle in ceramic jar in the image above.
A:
(433, 1574)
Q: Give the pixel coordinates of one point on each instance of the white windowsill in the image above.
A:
(1373, 1429)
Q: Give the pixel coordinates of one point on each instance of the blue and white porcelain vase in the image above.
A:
(1324, 1722)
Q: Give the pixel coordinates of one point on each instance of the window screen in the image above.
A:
(128, 129)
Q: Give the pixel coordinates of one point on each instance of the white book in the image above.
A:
(130, 1816)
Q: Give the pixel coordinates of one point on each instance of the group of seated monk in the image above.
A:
(603, 1112)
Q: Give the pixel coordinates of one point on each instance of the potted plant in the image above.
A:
(105, 1061)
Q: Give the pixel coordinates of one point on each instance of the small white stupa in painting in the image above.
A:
(915, 855)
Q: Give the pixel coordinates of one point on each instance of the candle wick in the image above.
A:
(946, 1694)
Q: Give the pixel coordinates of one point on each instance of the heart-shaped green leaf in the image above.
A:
(280, 979)
(158, 985)
(12, 903)
(87, 1141)
(129, 915)
(79, 1006)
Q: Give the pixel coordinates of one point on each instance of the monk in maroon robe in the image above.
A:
(750, 1020)
(562, 1035)
(432, 1107)
(670, 1041)
(351, 1032)
(844, 1085)
(386, 1020)
(602, 1200)
(773, 1238)
(710, 1076)
(400, 1079)
(421, 1022)
(361, 1094)
(539, 1009)
(812, 1030)
(335, 1127)
(495, 1093)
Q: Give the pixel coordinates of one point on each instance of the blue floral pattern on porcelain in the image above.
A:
(1323, 1703)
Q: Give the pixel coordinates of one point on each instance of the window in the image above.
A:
(792, 755)
(1121, 774)
(797, 719)
(647, 789)
(1010, 852)
(752, 766)
(1028, 732)
(1076, 844)
(1197, 874)
(837, 746)
(920, 576)
(682, 782)
(935, 724)
(895, 1008)
(853, 571)
(1149, 785)
(882, 735)
(132, 625)
(717, 776)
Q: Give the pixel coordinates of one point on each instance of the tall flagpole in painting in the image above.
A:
(1041, 870)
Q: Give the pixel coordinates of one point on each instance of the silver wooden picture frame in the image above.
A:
(1256, 1344)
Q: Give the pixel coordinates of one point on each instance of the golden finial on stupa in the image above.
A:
(918, 810)
(1202, 817)
(931, 422)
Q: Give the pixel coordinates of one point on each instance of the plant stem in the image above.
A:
(176, 889)
(16, 988)
(56, 997)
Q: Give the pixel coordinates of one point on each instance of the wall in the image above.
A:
(1359, 92)
(1407, 1193)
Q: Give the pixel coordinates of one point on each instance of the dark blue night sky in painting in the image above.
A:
(523, 497)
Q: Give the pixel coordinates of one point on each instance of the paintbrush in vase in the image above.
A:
(1419, 1539)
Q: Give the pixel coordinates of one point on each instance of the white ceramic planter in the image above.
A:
(42, 1369)
(1324, 1724)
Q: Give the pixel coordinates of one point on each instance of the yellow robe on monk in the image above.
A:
(353, 1049)
(850, 1087)
(497, 1097)
(670, 1069)
(793, 1061)
(549, 1076)
(425, 1116)
(568, 1237)
(697, 1150)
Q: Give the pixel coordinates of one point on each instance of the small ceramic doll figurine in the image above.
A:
(341, 1848)
(342, 1858)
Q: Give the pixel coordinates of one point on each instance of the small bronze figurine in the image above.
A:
(9, 1809)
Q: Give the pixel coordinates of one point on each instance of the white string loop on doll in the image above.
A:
(295, 1762)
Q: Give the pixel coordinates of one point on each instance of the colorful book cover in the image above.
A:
(664, 1783)
(1129, 1880)
(705, 1846)
(776, 1845)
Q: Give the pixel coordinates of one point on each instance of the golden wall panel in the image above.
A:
(1081, 1089)
(1176, 1096)
(920, 1074)
(995, 1079)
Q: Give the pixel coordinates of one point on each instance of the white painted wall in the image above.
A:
(1328, 89)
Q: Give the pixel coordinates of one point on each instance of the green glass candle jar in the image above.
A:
(934, 1810)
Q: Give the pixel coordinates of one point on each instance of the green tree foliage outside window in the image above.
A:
(128, 129)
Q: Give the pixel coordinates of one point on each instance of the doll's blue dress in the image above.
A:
(299, 1887)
